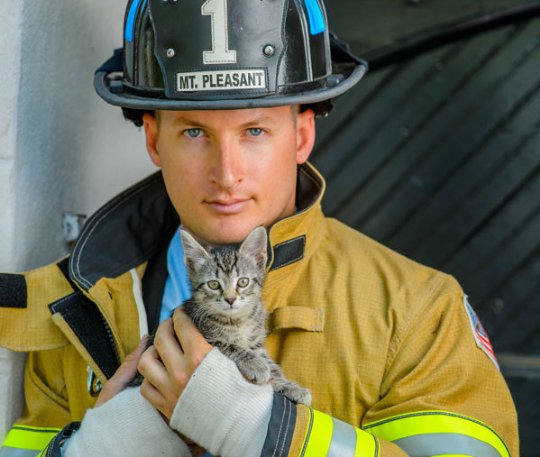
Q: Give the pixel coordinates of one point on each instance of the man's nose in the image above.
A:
(227, 169)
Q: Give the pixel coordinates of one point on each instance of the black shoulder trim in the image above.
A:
(13, 293)
(124, 233)
(288, 252)
(54, 449)
(281, 427)
(86, 321)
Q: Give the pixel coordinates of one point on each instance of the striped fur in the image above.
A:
(227, 306)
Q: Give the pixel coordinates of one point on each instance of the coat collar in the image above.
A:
(137, 224)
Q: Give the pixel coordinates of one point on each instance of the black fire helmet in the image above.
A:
(226, 54)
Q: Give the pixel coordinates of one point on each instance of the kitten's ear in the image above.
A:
(194, 252)
(255, 246)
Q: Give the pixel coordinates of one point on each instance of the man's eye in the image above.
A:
(193, 133)
(254, 131)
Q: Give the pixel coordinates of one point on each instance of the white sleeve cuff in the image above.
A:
(223, 412)
(125, 425)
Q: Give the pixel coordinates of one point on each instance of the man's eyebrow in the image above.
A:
(182, 120)
(259, 120)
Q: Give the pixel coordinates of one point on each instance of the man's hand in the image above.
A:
(168, 365)
(123, 376)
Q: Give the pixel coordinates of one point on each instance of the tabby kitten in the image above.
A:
(228, 310)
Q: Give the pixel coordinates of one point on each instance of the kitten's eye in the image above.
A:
(214, 285)
(243, 282)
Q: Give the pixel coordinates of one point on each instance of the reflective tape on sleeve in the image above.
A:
(440, 433)
(319, 435)
(367, 445)
(330, 437)
(28, 438)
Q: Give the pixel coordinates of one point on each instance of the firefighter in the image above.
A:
(396, 360)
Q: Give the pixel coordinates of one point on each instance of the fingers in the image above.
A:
(152, 368)
(155, 397)
(168, 365)
(169, 350)
(193, 343)
(123, 375)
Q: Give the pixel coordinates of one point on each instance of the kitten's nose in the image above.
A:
(230, 301)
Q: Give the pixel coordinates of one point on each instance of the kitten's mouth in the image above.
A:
(228, 207)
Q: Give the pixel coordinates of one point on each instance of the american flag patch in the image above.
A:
(480, 335)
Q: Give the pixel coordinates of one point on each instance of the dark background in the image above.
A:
(436, 153)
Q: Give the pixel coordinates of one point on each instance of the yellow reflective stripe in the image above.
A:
(366, 444)
(433, 422)
(319, 435)
(31, 438)
(323, 431)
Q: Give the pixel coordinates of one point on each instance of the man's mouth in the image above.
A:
(228, 207)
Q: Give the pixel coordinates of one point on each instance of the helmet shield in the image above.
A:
(220, 54)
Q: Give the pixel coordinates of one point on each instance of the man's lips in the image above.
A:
(233, 206)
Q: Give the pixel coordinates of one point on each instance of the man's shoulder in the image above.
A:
(383, 265)
(25, 315)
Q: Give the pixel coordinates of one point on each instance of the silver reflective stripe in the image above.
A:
(6, 451)
(445, 443)
(343, 442)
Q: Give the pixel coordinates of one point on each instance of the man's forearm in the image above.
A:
(125, 425)
(223, 412)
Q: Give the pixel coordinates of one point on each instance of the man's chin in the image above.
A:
(232, 232)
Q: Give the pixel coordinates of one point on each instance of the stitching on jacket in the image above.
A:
(293, 260)
(280, 427)
(286, 429)
(106, 211)
(318, 327)
(308, 434)
(53, 306)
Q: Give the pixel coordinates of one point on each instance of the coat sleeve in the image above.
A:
(442, 394)
(125, 425)
(46, 411)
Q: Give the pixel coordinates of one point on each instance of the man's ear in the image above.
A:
(305, 135)
(151, 132)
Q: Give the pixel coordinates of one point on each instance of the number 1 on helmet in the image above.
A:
(220, 53)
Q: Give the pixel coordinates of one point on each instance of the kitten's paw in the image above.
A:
(255, 370)
(295, 393)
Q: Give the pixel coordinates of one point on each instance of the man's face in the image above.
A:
(229, 171)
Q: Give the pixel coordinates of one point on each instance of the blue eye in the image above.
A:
(193, 133)
(255, 131)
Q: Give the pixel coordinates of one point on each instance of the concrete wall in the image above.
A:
(61, 147)
(73, 151)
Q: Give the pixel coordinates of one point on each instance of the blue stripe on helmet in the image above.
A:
(315, 16)
(130, 22)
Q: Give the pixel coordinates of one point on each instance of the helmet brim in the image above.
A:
(347, 70)
(338, 84)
